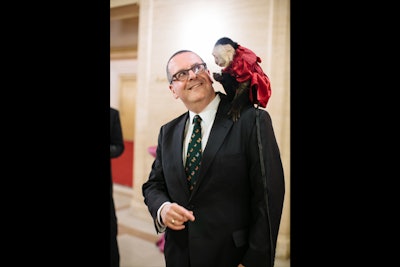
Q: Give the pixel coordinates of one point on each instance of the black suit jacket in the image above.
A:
(232, 223)
(116, 149)
(116, 137)
(116, 146)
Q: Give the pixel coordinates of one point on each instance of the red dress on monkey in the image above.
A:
(242, 77)
(243, 67)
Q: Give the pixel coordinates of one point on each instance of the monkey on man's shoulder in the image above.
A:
(242, 78)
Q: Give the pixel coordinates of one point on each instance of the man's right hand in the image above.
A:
(174, 216)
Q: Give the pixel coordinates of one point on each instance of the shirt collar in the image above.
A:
(208, 114)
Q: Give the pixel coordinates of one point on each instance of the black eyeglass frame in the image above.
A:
(186, 72)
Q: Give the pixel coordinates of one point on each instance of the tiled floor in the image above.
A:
(137, 238)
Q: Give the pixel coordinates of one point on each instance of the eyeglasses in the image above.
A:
(183, 75)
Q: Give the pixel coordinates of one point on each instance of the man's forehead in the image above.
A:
(184, 60)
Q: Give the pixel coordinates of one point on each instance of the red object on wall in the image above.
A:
(122, 167)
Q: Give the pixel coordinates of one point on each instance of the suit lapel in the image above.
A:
(176, 149)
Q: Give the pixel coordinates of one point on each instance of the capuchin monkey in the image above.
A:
(242, 77)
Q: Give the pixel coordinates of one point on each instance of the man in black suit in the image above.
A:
(116, 149)
(231, 217)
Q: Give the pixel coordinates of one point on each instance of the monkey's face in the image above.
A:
(223, 55)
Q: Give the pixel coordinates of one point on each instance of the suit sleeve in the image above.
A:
(154, 190)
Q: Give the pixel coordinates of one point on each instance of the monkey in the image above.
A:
(241, 76)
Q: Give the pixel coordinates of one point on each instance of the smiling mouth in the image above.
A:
(194, 86)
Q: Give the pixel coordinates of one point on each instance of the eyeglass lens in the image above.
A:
(184, 74)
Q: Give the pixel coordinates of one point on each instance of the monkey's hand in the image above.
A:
(240, 100)
(228, 82)
(217, 76)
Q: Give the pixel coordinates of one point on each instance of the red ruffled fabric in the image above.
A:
(245, 67)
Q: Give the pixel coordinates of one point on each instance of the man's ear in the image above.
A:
(171, 88)
(209, 76)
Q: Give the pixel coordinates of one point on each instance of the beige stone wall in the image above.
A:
(168, 26)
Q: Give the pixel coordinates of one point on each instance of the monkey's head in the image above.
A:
(223, 52)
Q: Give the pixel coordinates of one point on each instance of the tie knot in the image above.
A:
(196, 119)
